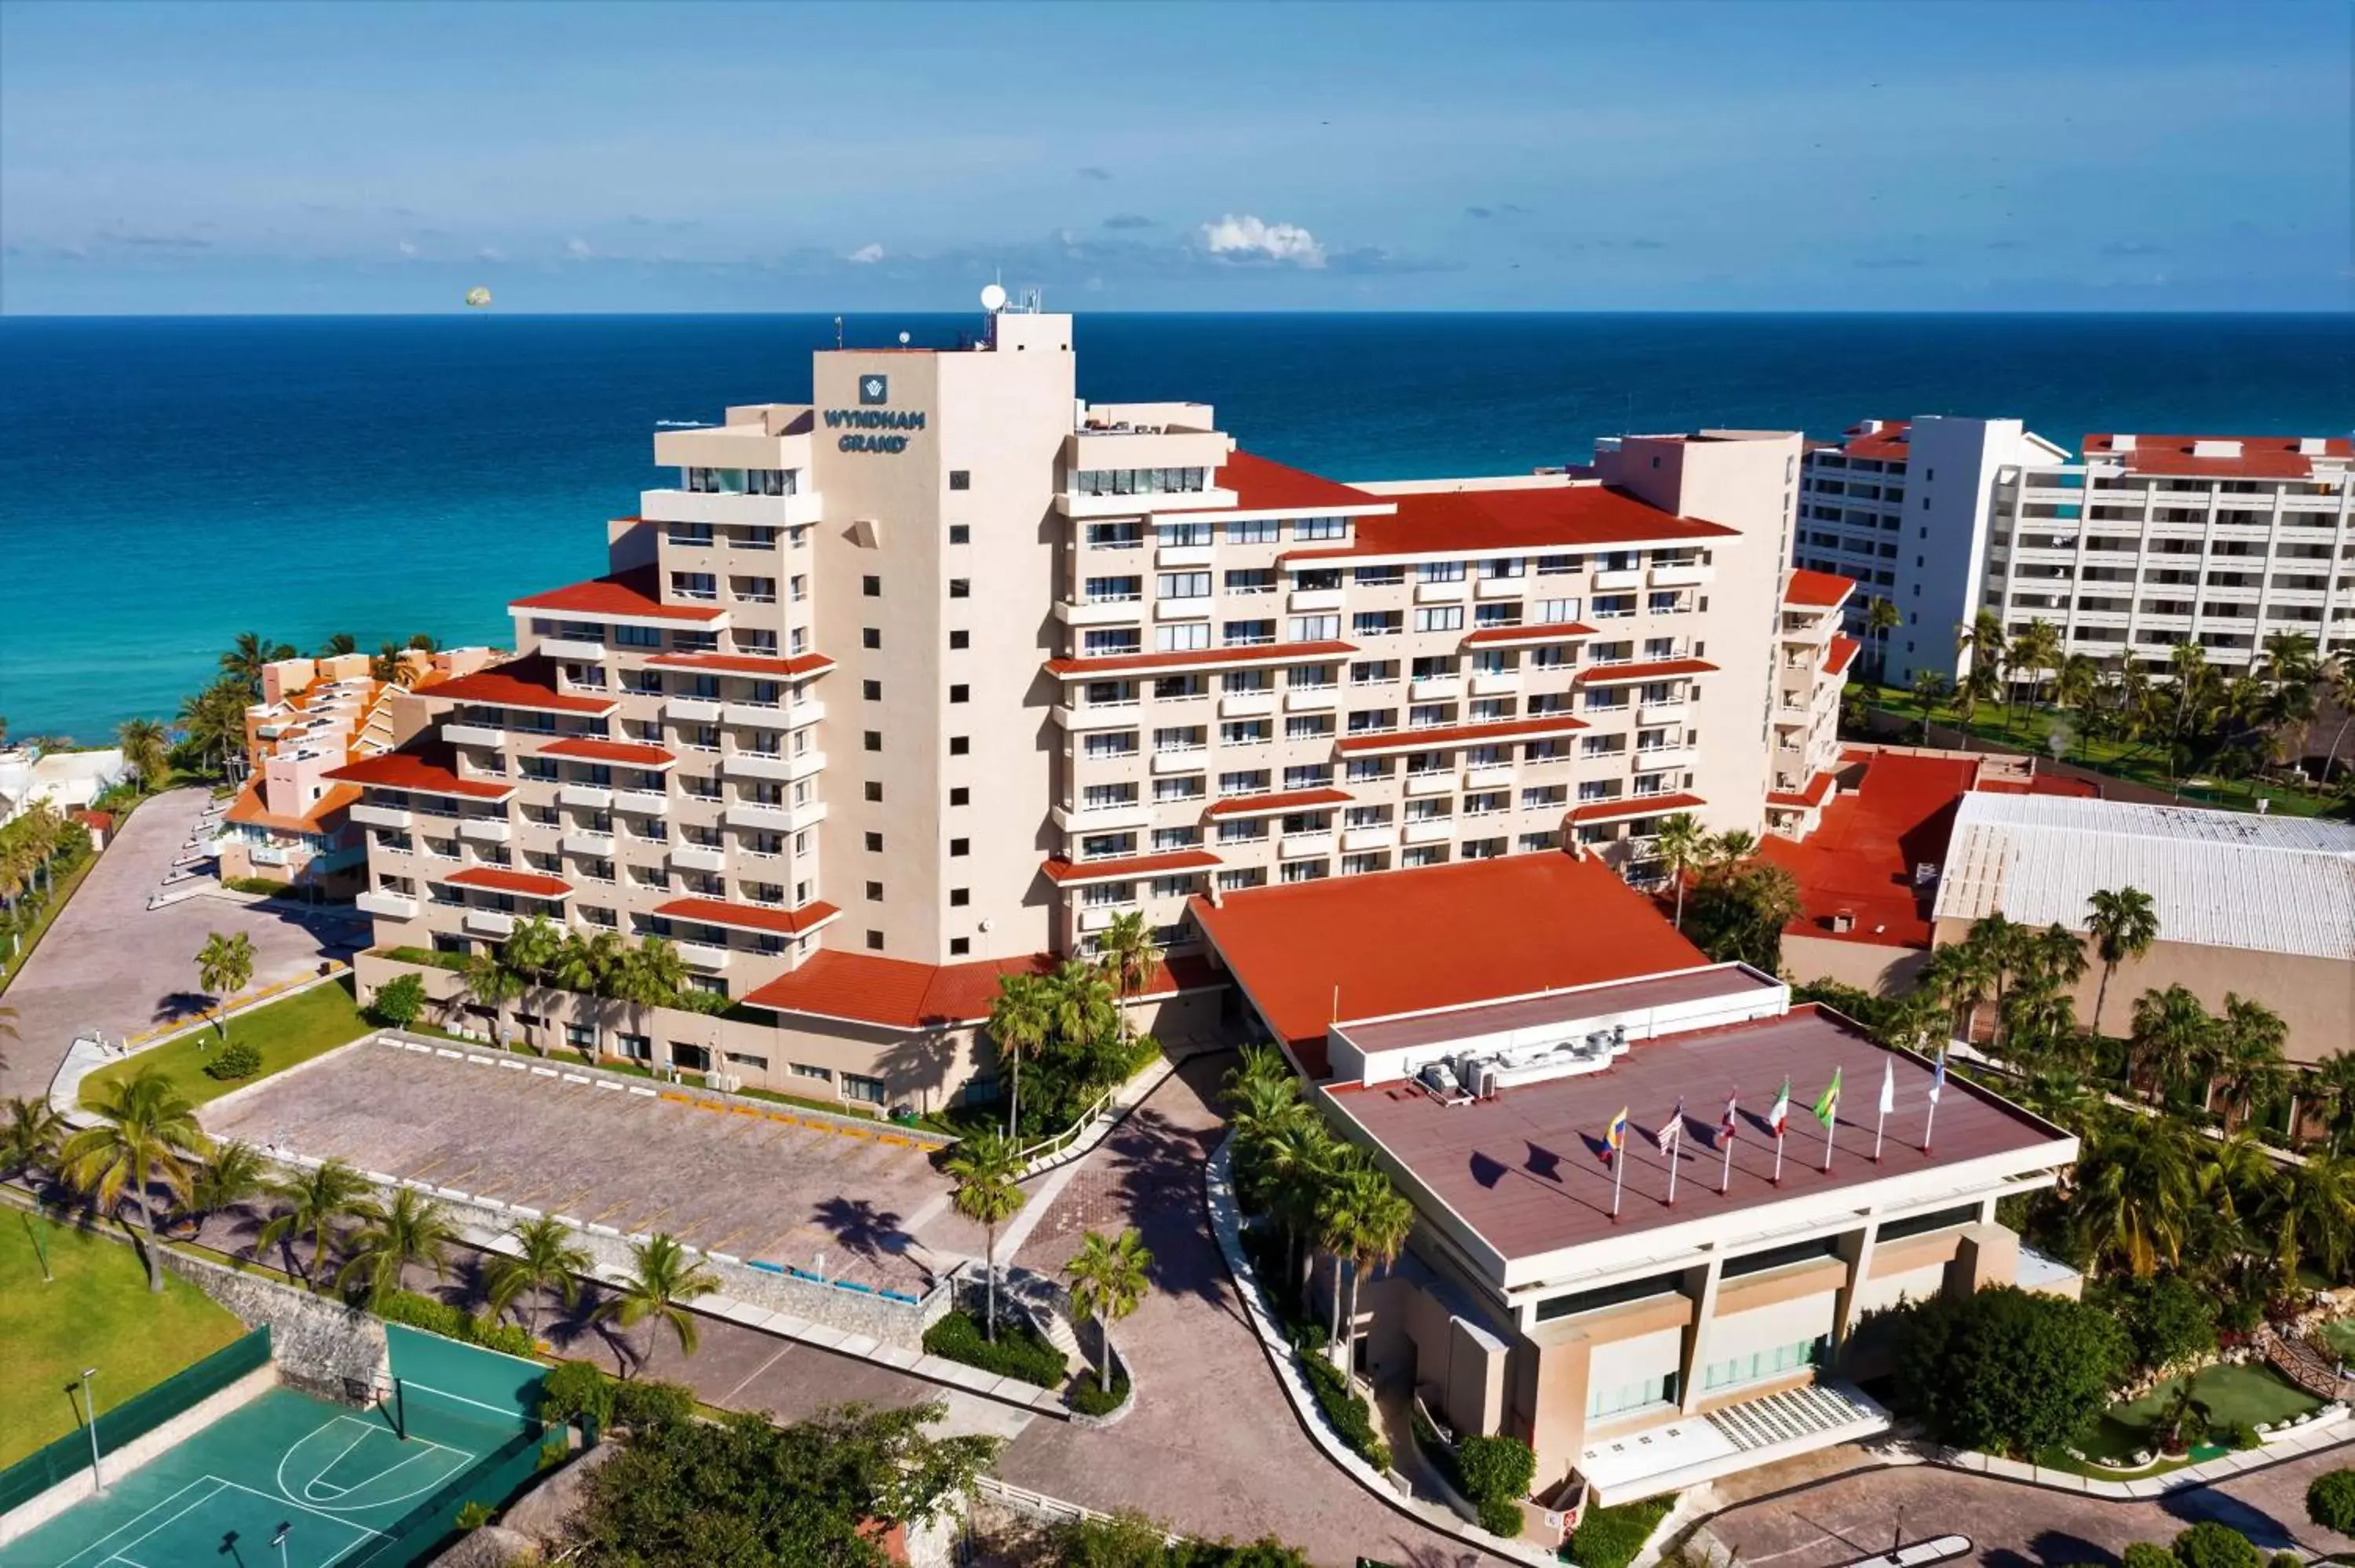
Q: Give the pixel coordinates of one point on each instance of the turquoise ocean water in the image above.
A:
(167, 483)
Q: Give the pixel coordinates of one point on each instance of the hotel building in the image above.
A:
(1903, 506)
(2152, 541)
(1641, 1337)
(922, 683)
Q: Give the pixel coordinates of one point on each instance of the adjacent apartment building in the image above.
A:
(2152, 541)
(922, 683)
(1903, 507)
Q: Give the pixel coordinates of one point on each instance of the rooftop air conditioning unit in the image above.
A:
(1440, 1079)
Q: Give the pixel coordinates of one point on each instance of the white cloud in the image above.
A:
(407, 247)
(578, 249)
(1248, 239)
(867, 254)
(490, 253)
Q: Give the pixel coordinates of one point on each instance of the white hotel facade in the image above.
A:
(920, 684)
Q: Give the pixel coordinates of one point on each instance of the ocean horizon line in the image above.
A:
(944, 313)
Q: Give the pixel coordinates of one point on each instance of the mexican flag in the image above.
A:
(1780, 1113)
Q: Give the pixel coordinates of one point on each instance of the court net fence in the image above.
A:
(491, 1480)
(132, 1419)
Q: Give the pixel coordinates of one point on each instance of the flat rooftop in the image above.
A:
(1556, 1007)
(1525, 1169)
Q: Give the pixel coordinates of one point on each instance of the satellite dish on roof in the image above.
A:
(993, 298)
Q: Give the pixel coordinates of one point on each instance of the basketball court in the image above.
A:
(290, 1480)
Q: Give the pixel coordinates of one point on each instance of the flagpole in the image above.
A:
(1778, 1156)
(1879, 1128)
(1829, 1123)
(1673, 1149)
(1937, 1092)
(1725, 1177)
(1618, 1169)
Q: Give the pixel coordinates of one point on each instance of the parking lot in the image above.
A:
(773, 1187)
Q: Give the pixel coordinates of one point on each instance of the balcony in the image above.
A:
(1663, 757)
(804, 764)
(1246, 705)
(1435, 689)
(1097, 715)
(1088, 508)
(1184, 555)
(759, 765)
(1431, 783)
(1292, 846)
(485, 830)
(383, 902)
(1100, 611)
(1197, 608)
(1500, 588)
(1497, 776)
(1312, 699)
(1104, 819)
(698, 857)
(1099, 917)
(573, 647)
(692, 710)
(1315, 599)
(1356, 839)
(701, 955)
(490, 923)
(1441, 593)
(1192, 761)
(646, 802)
(1498, 683)
(1438, 829)
(578, 841)
(595, 797)
(1682, 576)
(473, 735)
(720, 507)
(781, 818)
(1605, 582)
(383, 816)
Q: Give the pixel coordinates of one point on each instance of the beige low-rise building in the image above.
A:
(947, 669)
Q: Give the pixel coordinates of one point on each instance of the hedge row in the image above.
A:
(1020, 1350)
(415, 1311)
(1343, 1407)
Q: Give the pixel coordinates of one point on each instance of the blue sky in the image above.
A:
(290, 157)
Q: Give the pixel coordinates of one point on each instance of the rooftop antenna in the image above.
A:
(838, 332)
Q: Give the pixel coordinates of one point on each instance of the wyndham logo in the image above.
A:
(874, 390)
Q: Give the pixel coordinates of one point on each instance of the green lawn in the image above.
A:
(2233, 1394)
(97, 1313)
(2145, 762)
(293, 1030)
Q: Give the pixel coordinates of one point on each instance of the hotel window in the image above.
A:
(960, 588)
(1249, 831)
(1777, 1360)
(1649, 1394)
(1236, 881)
(1315, 628)
(1379, 577)
(1311, 678)
(1490, 710)
(1307, 727)
(1540, 797)
(959, 534)
(1360, 864)
(635, 637)
(871, 587)
(960, 478)
(1320, 528)
(1140, 481)
(1532, 842)
(960, 640)
(1114, 590)
(1306, 870)
(853, 1085)
(1369, 770)
(1669, 603)
(1247, 633)
(959, 897)
(1179, 787)
(1554, 565)
(1181, 737)
(1441, 571)
(1439, 618)
(1107, 796)
(695, 584)
(1104, 644)
(1373, 673)
(1244, 732)
(1115, 536)
(1187, 637)
(1183, 585)
(1506, 567)
(1170, 886)
(1097, 895)
(1308, 775)
(1487, 615)
(960, 694)
(1262, 532)
(1107, 846)
(1176, 838)
(1377, 624)
(1614, 606)
(1183, 536)
(1426, 854)
(1173, 688)
(1250, 782)
(1250, 582)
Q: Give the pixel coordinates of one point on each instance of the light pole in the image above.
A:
(279, 1541)
(90, 1413)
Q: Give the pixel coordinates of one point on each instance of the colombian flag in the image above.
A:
(1615, 1135)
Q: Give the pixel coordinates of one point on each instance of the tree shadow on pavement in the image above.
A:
(179, 1006)
(871, 1234)
(2050, 1549)
(2205, 1503)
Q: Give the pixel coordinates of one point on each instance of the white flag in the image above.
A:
(1887, 1087)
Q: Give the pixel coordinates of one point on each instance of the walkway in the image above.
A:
(112, 964)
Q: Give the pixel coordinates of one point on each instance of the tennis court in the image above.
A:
(289, 1480)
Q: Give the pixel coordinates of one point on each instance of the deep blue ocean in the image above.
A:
(167, 483)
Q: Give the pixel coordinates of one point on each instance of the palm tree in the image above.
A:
(1296, 1164)
(2124, 923)
(534, 950)
(145, 1138)
(1109, 1281)
(1129, 955)
(2247, 1063)
(591, 967)
(147, 750)
(248, 655)
(314, 1201)
(2074, 684)
(29, 1140)
(1981, 644)
(391, 1239)
(1930, 689)
(235, 1172)
(985, 1168)
(2313, 1214)
(2035, 651)
(1731, 847)
(546, 1258)
(341, 644)
(2331, 1086)
(1365, 1221)
(2134, 1192)
(652, 975)
(1083, 1006)
(223, 969)
(2172, 1037)
(1681, 845)
(661, 1282)
(487, 981)
(1881, 619)
(1021, 1020)
(1996, 946)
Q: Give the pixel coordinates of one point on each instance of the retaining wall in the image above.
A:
(315, 1339)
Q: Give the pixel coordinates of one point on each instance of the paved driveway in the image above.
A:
(112, 963)
(769, 1187)
(1212, 1448)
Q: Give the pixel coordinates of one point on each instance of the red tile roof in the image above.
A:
(528, 683)
(1404, 941)
(1891, 443)
(2261, 457)
(749, 917)
(1628, 806)
(1527, 636)
(1538, 520)
(426, 768)
(1064, 872)
(497, 879)
(1659, 670)
(589, 748)
(635, 593)
(101, 821)
(1817, 791)
(1448, 736)
(1274, 805)
(1819, 591)
(1199, 658)
(249, 810)
(776, 669)
(1262, 485)
(1842, 655)
(898, 994)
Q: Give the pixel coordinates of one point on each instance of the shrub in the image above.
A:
(2165, 1319)
(638, 1405)
(415, 1311)
(1500, 1516)
(1610, 1537)
(2285, 1560)
(1496, 1469)
(2143, 1555)
(265, 885)
(1089, 1398)
(1345, 1408)
(400, 1002)
(2239, 1435)
(577, 1392)
(2330, 1500)
(2211, 1545)
(237, 1059)
(473, 1515)
(2004, 1368)
(1020, 1351)
(554, 1452)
